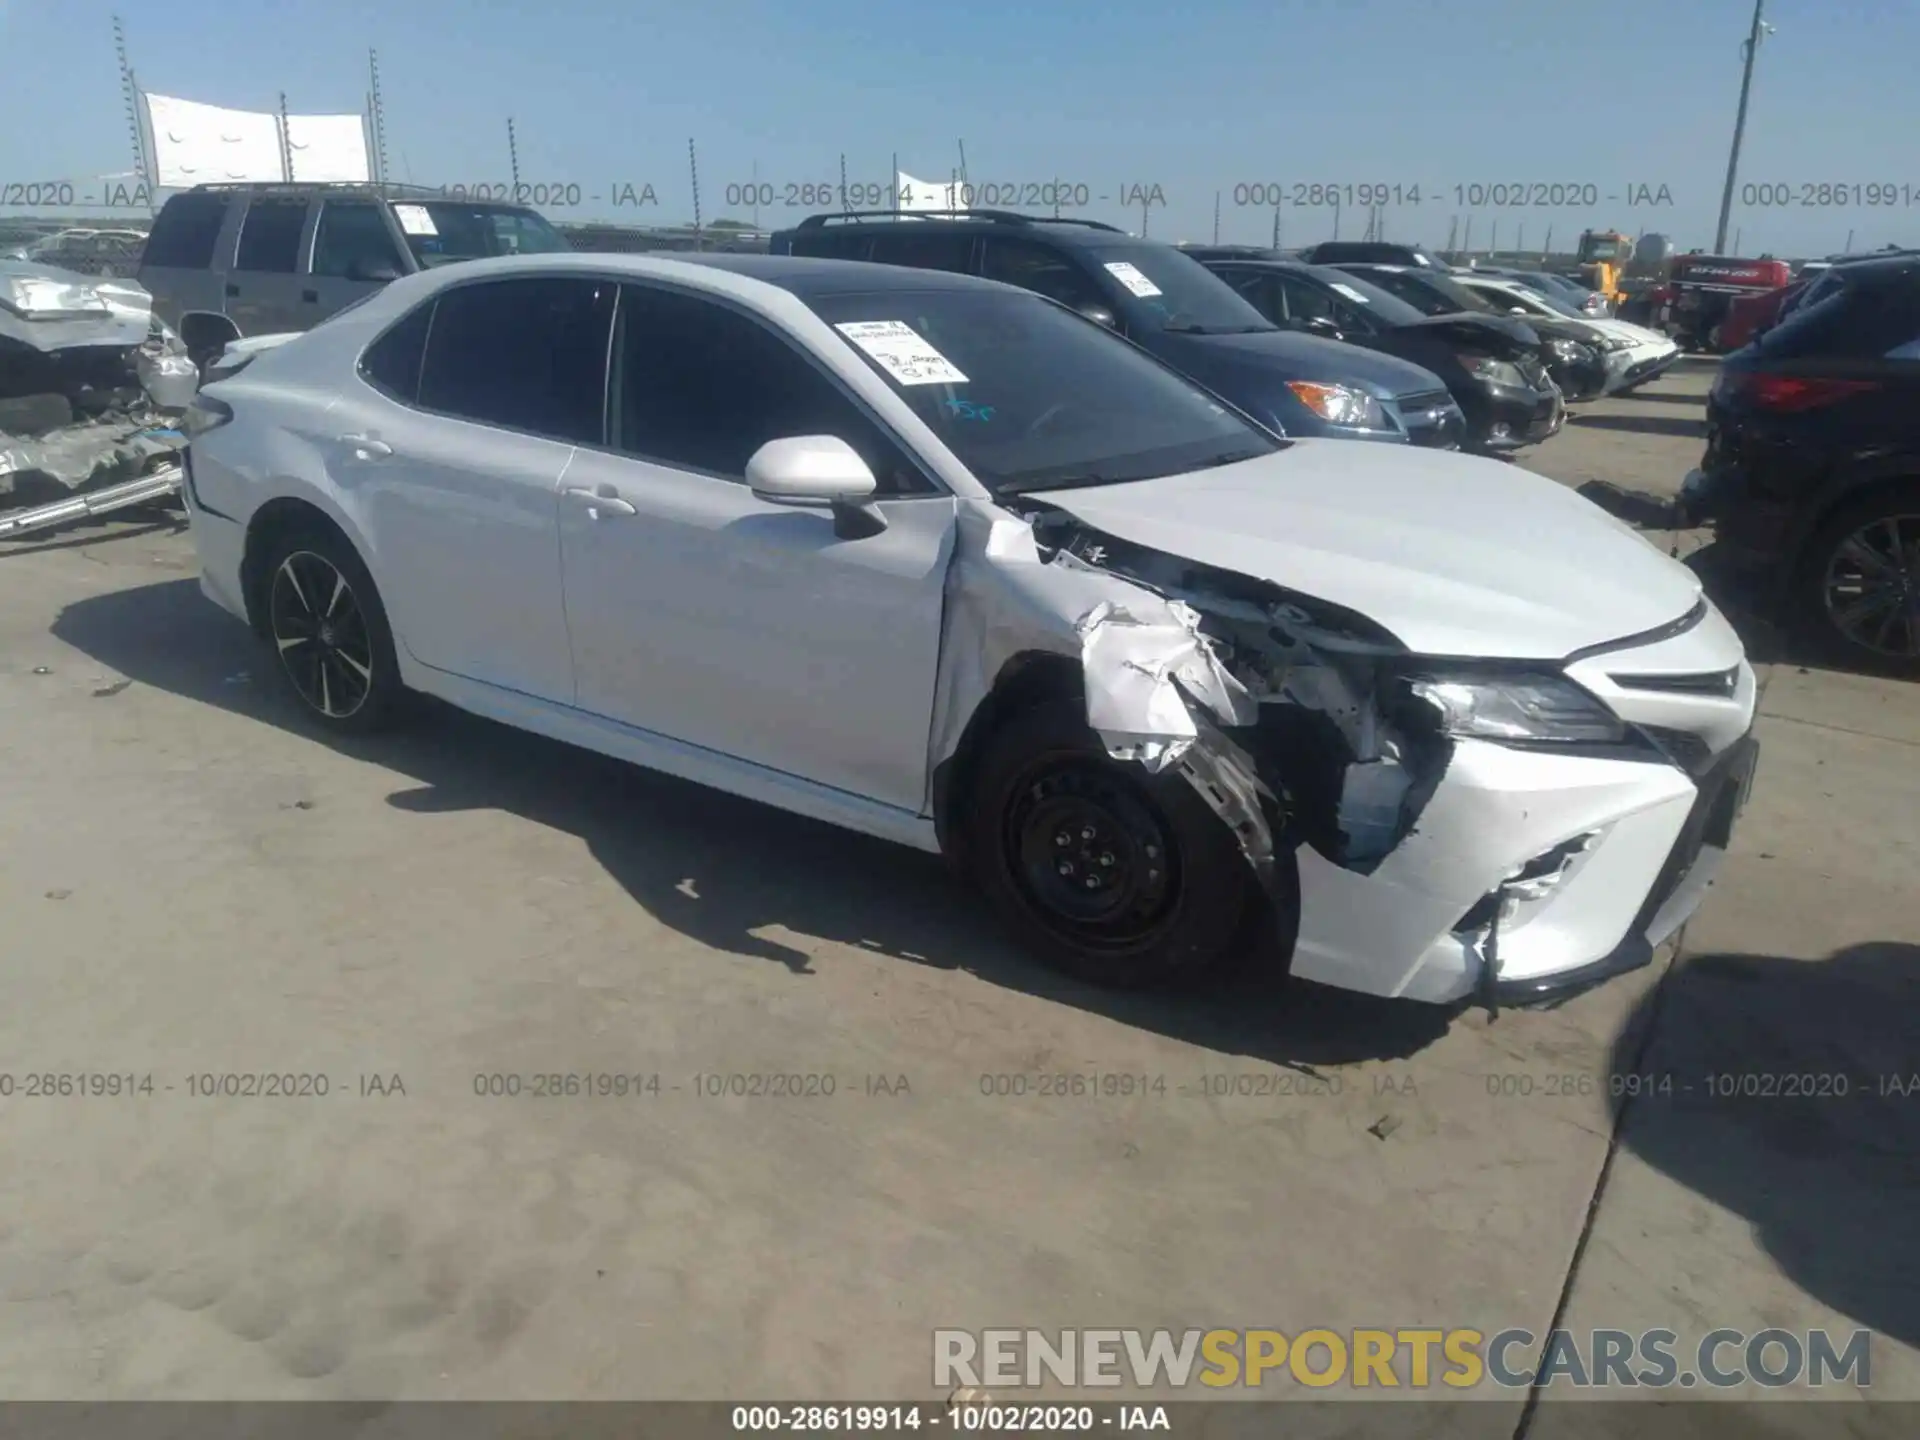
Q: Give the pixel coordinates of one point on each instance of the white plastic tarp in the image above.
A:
(927, 194)
(196, 144)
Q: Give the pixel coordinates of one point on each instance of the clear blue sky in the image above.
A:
(1195, 98)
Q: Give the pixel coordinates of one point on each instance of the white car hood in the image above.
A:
(1636, 335)
(1453, 554)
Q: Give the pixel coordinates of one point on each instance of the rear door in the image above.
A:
(263, 287)
(454, 447)
(921, 248)
(355, 252)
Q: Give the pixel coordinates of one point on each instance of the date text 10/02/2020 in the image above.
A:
(1473, 195)
(826, 193)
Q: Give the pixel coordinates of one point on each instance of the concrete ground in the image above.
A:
(193, 888)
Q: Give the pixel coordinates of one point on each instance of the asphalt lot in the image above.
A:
(193, 887)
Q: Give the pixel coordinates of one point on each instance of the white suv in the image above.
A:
(939, 560)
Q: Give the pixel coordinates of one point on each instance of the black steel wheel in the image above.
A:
(1109, 872)
(323, 617)
(1864, 572)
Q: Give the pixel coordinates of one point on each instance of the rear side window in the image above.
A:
(525, 355)
(1850, 321)
(270, 236)
(925, 249)
(392, 363)
(184, 234)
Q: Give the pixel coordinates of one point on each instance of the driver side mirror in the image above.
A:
(1517, 310)
(1100, 315)
(819, 470)
(1327, 329)
(372, 271)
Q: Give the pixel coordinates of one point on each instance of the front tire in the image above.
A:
(1860, 585)
(333, 648)
(1106, 871)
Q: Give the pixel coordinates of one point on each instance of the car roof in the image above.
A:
(1064, 230)
(729, 273)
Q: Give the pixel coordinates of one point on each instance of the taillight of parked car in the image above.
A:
(1789, 393)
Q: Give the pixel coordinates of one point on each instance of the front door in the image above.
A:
(702, 613)
(353, 246)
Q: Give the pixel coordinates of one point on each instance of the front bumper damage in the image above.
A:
(1423, 867)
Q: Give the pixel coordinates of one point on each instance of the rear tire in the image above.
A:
(1106, 871)
(324, 620)
(1859, 585)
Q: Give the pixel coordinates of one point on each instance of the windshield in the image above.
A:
(1389, 307)
(1158, 288)
(1031, 396)
(1539, 299)
(440, 232)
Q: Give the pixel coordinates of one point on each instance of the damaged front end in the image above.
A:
(1291, 719)
(92, 385)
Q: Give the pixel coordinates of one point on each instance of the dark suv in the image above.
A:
(1166, 303)
(1811, 475)
(226, 261)
(1370, 252)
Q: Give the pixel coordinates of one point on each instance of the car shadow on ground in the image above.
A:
(717, 868)
(1788, 1092)
(1687, 427)
(1664, 397)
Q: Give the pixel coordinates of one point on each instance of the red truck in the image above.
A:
(1701, 292)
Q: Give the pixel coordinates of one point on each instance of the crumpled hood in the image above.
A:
(1454, 554)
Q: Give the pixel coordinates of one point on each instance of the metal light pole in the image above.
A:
(1752, 47)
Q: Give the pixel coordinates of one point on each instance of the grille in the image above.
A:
(1424, 400)
(1686, 749)
(1717, 683)
(1533, 370)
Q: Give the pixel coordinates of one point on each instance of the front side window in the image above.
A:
(525, 355)
(270, 236)
(700, 386)
(441, 232)
(352, 242)
(1030, 396)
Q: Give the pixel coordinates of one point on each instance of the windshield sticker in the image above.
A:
(1350, 292)
(415, 220)
(1131, 277)
(967, 410)
(900, 350)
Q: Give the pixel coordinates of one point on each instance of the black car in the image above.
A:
(1168, 304)
(1574, 354)
(1490, 363)
(1812, 469)
(1371, 252)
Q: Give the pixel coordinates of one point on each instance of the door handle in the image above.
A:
(598, 500)
(233, 290)
(365, 447)
(311, 297)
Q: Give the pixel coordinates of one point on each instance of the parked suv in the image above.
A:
(227, 261)
(1811, 476)
(1169, 305)
(1370, 252)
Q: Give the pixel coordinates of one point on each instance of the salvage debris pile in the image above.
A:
(92, 384)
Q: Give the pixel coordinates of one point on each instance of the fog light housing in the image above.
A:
(1501, 430)
(1529, 884)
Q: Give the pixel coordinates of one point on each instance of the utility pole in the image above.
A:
(1216, 217)
(377, 109)
(513, 157)
(1752, 47)
(693, 173)
(286, 141)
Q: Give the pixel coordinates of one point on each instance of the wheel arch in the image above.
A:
(1028, 679)
(279, 517)
(1902, 477)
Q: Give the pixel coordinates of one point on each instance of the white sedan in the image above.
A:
(1636, 355)
(938, 560)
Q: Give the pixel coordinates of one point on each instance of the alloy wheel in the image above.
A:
(1091, 857)
(1872, 586)
(321, 635)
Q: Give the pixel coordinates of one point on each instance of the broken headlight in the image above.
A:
(1542, 708)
